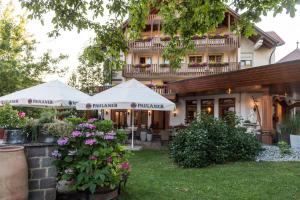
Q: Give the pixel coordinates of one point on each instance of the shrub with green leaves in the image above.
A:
(104, 125)
(12, 119)
(75, 120)
(208, 140)
(90, 159)
(291, 126)
(284, 148)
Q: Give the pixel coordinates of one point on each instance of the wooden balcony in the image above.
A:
(154, 17)
(225, 43)
(160, 89)
(165, 72)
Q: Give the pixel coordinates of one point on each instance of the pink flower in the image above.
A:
(22, 114)
(89, 134)
(92, 157)
(76, 134)
(109, 159)
(110, 136)
(90, 142)
(62, 141)
(92, 120)
(125, 166)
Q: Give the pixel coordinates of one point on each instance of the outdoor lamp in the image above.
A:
(128, 112)
(174, 113)
(149, 113)
(229, 91)
(209, 110)
(106, 112)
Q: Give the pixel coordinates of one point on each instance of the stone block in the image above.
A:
(50, 149)
(33, 185)
(47, 162)
(36, 195)
(52, 172)
(33, 163)
(37, 173)
(50, 194)
(36, 152)
(48, 183)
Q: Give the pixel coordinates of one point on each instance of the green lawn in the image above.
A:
(154, 176)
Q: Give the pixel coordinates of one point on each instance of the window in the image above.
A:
(215, 58)
(195, 59)
(166, 61)
(226, 106)
(207, 106)
(146, 60)
(191, 110)
(246, 63)
(246, 59)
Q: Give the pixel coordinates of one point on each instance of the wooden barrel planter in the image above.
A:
(13, 173)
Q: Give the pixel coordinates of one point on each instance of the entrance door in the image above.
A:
(141, 118)
(119, 117)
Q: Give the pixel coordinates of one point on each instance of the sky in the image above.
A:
(72, 43)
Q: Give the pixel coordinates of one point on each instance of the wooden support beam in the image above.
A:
(267, 113)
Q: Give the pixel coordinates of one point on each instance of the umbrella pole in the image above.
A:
(132, 127)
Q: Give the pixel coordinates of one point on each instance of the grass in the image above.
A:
(155, 177)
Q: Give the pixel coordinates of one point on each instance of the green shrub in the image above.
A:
(291, 126)
(58, 128)
(104, 125)
(284, 148)
(11, 119)
(47, 117)
(212, 141)
(75, 121)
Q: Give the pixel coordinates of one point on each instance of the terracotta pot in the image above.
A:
(13, 173)
(267, 139)
(1, 133)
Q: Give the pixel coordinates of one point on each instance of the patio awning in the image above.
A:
(128, 95)
(279, 77)
(54, 94)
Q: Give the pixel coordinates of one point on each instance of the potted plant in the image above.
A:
(149, 136)
(292, 127)
(54, 130)
(13, 122)
(143, 133)
(91, 161)
(44, 135)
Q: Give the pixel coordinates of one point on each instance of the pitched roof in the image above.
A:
(294, 55)
(274, 35)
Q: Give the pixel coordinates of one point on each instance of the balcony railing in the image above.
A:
(161, 89)
(186, 70)
(154, 17)
(157, 43)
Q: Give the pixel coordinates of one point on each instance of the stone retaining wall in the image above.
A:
(42, 174)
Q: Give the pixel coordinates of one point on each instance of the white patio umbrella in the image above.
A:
(53, 94)
(128, 95)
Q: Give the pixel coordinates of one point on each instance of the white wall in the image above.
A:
(260, 56)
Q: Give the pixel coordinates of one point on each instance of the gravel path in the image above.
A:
(272, 153)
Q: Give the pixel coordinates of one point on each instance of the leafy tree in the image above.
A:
(186, 17)
(87, 76)
(19, 68)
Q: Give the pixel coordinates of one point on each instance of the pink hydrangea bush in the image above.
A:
(98, 159)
